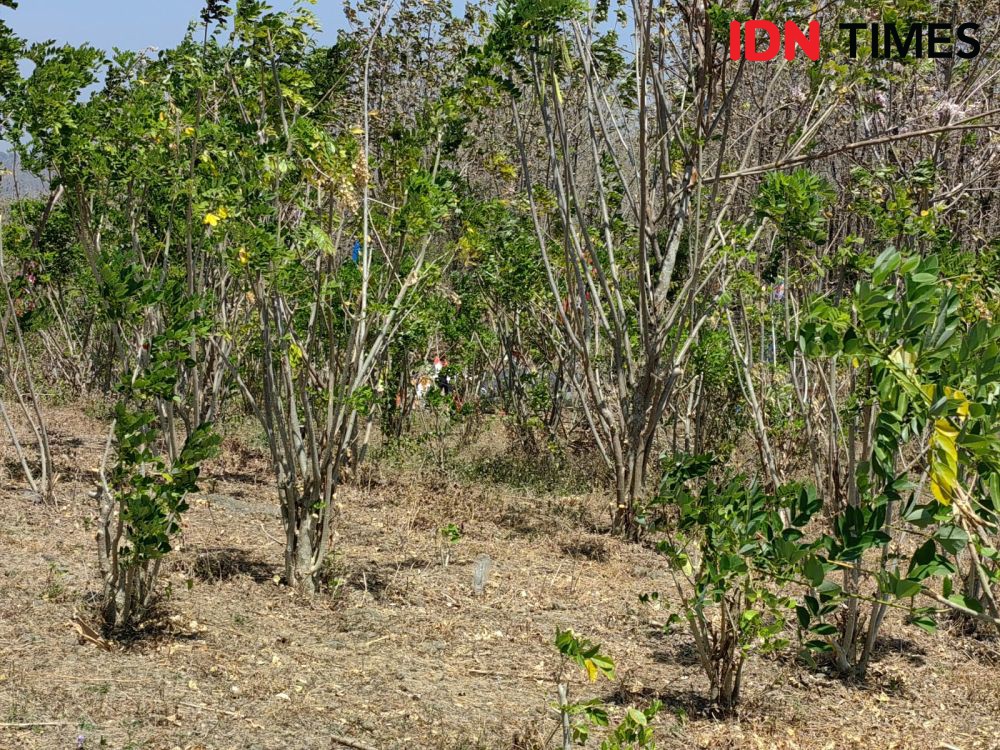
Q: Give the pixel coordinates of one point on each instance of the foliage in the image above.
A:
(729, 551)
(620, 243)
(145, 491)
(910, 356)
(634, 732)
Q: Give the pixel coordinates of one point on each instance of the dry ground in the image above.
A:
(401, 653)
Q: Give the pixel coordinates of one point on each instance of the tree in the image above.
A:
(895, 412)
(332, 243)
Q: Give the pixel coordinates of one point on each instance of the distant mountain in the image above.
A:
(28, 185)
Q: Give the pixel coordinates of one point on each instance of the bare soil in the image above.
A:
(399, 652)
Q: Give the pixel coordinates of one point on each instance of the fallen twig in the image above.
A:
(210, 708)
(348, 742)
(268, 535)
(494, 673)
(75, 678)
(32, 724)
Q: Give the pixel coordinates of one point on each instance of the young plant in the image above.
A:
(960, 520)
(446, 537)
(635, 732)
(896, 368)
(728, 554)
(144, 494)
(578, 718)
(142, 512)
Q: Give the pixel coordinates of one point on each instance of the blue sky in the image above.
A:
(129, 24)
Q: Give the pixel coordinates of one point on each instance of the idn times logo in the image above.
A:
(759, 40)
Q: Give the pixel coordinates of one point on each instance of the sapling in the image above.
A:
(143, 496)
(728, 554)
(635, 731)
(447, 536)
(910, 387)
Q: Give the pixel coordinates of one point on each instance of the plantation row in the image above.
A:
(757, 299)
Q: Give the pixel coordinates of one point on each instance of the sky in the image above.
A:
(129, 24)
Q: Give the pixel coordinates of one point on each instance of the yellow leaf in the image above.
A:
(294, 355)
(944, 430)
(944, 461)
(939, 492)
(904, 359)
(222, 212)
(188, 131)
(358, 131)
(591, 670)
(963, 402)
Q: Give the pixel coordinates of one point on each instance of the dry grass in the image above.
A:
(399, 652)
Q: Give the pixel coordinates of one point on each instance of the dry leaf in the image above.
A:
(87, 634)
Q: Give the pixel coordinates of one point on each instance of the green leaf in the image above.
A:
(905, 588)
(824, 628)
(814, 571)
(965, 601)
(818, 646)
(952, 538)
(925, 622)
(887, 262)
(637, 717)
(803, 617)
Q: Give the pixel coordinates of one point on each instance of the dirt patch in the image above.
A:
(586, 547)
(399, 651)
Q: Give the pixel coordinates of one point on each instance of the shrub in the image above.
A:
(729, 552)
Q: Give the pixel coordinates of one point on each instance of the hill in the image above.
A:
(16, 182)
